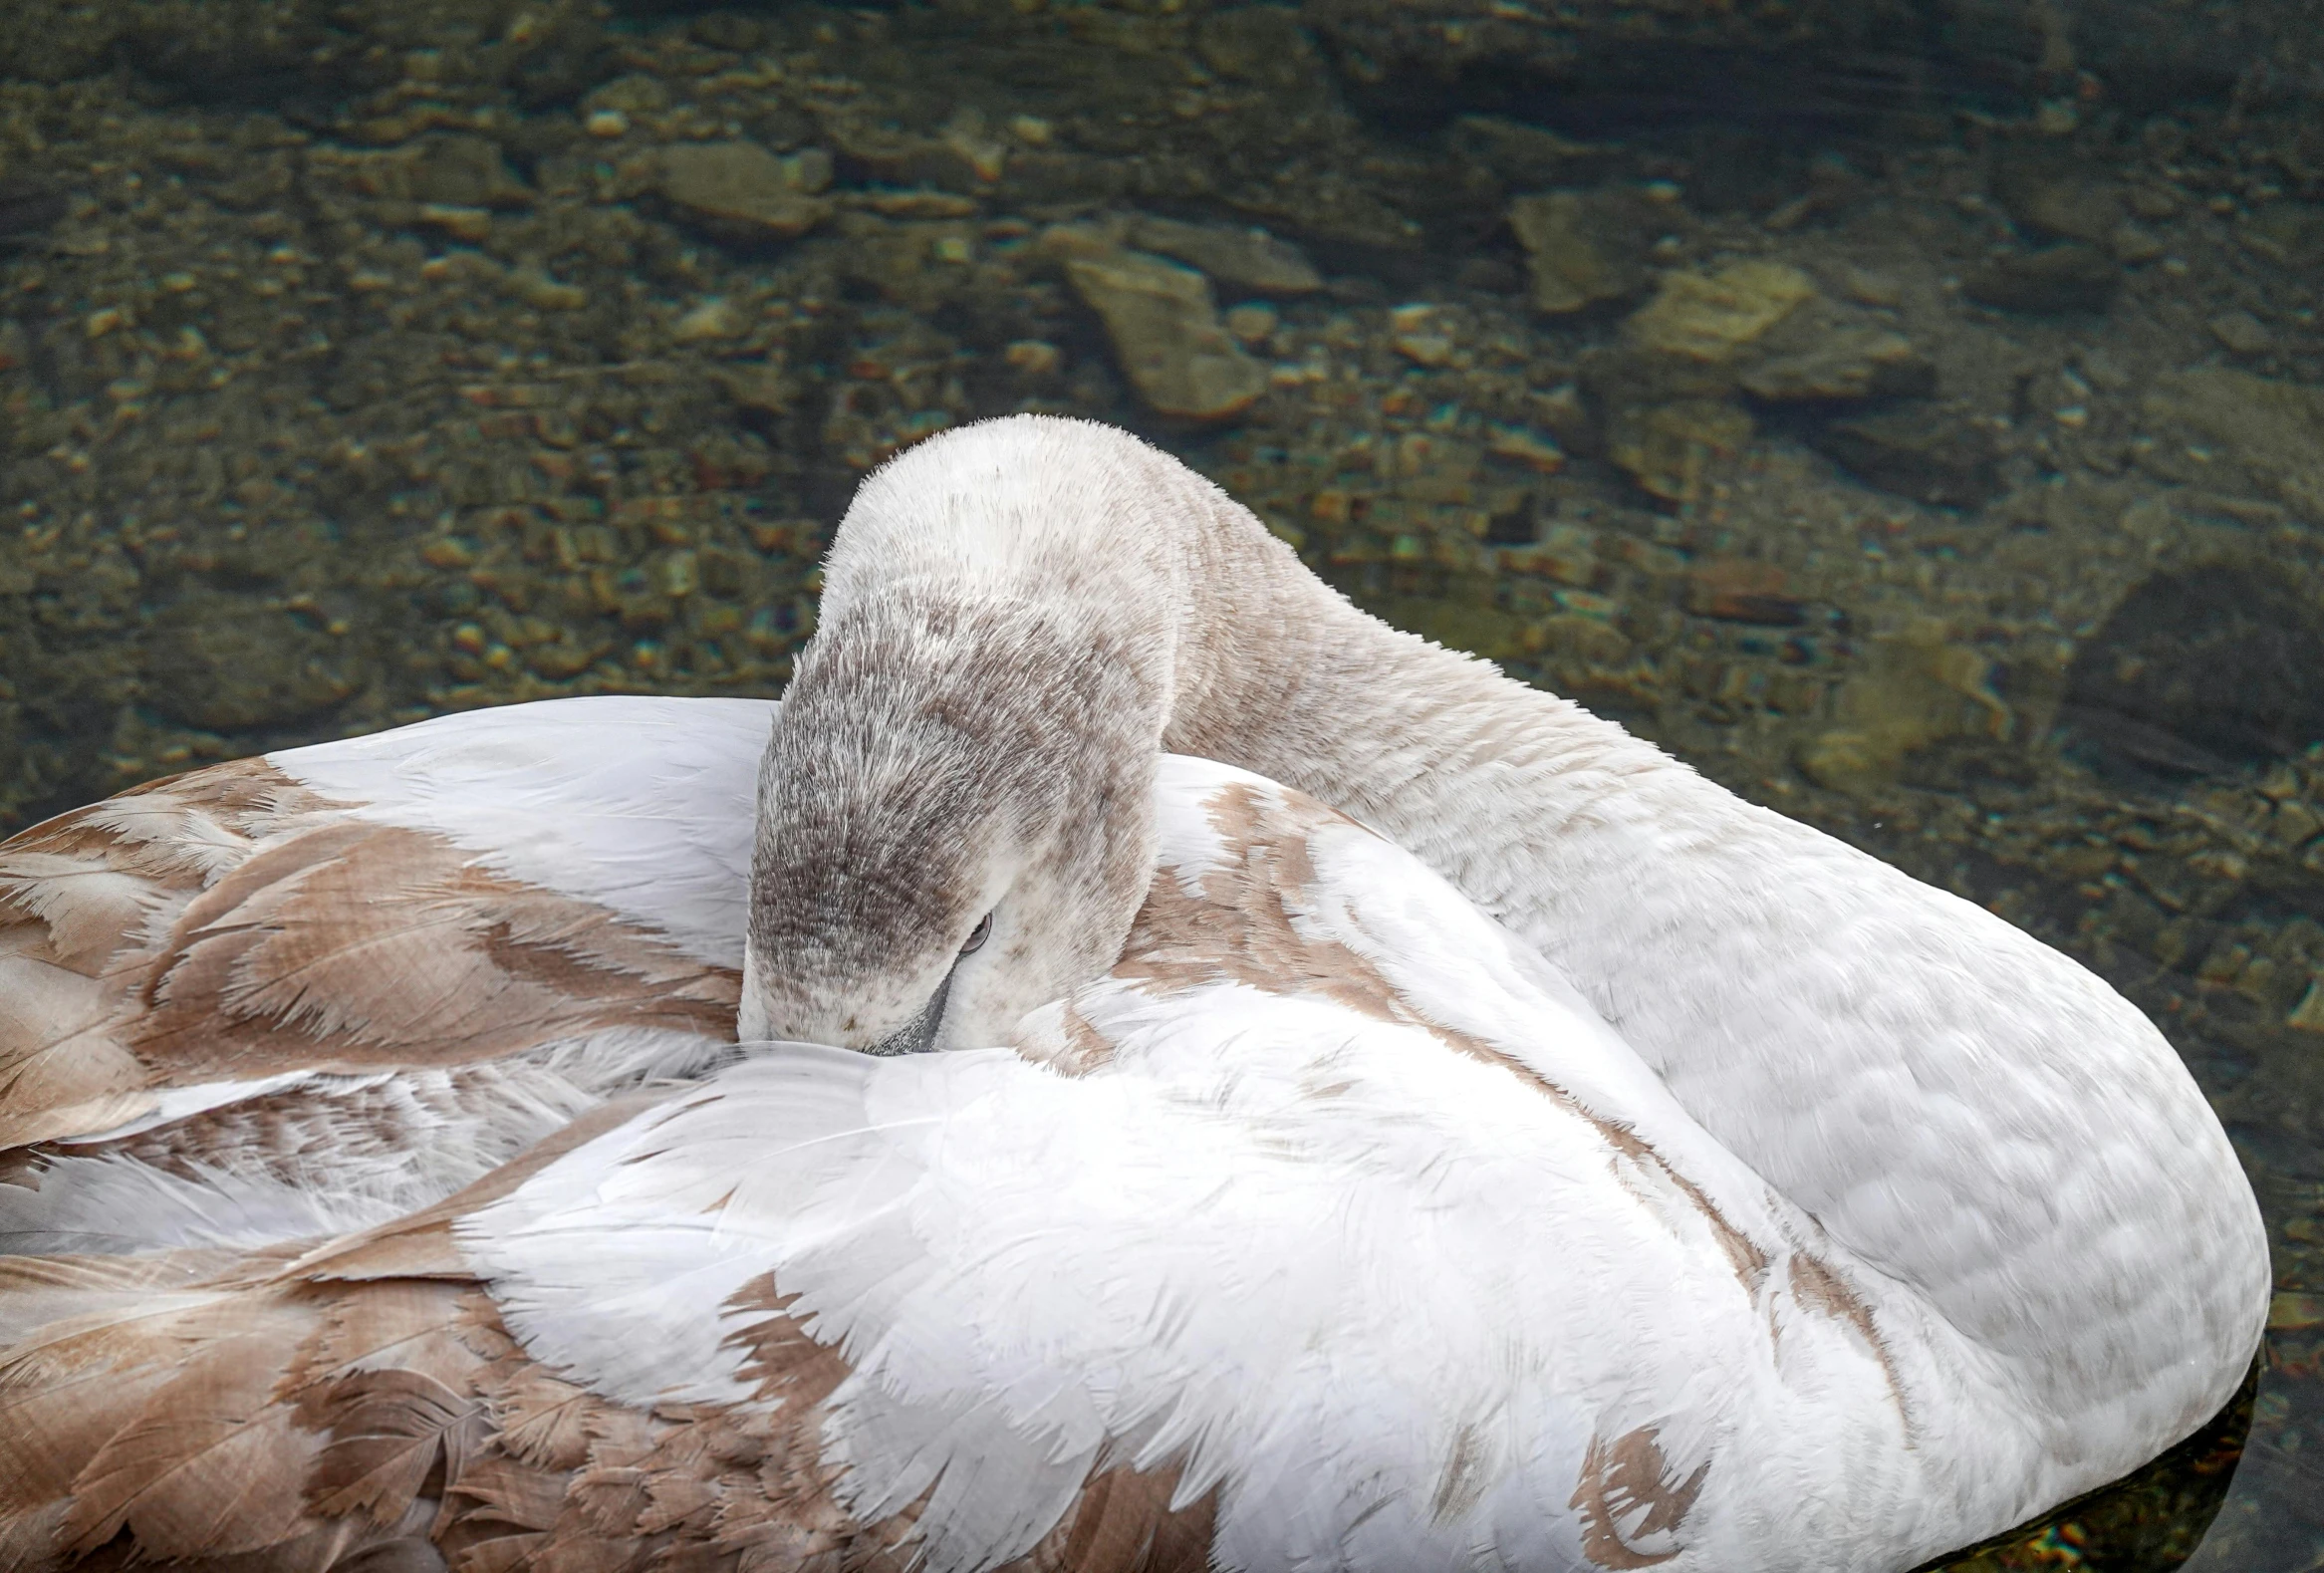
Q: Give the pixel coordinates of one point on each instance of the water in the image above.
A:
(1912, 416)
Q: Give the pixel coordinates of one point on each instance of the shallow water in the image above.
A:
(1914, 416)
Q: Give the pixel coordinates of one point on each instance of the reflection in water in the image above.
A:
(1914, 419)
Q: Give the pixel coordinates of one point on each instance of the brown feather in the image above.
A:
(262, 1413)
(498, 1554)
(409, 1554)
(503, 1492)
(36, 1291)
(30, 1539)
(544, 1421)
(70, 1388)
(202, 1468)
(74, 1084)
(499, 1511)
(1122, 1522)
(409, 1324)
(357, 945)
(231, 923)
(79, 895)
(391, 1431)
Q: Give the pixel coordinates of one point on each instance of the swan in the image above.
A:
(1880, 1225)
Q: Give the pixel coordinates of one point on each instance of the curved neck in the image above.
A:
(1478, 774)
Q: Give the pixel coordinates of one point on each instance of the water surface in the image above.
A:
(1913, 416)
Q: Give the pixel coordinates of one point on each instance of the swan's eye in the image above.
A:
(978, 935)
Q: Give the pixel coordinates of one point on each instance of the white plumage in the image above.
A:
(643, 806)
(1383, 1293)
(1579, 1170)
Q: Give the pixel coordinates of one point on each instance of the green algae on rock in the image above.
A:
(1922, 687)
(1713, 317)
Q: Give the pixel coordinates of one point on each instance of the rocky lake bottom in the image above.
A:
(1913, 416)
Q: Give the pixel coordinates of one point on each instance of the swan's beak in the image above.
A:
(915, 1035)
(919, 1035)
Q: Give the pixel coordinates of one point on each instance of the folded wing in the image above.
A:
(365, 970)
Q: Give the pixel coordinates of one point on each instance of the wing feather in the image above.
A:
(545, 883)
(197, 1471)
(389, 1432)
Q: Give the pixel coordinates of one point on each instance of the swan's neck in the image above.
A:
(1492, 784)
(1960, 1107)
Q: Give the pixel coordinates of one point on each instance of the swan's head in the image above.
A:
(956, 823)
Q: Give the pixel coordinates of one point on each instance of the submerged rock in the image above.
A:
(2070, 278)
(1527, 157)
(2289, 234)
(1740, 589)
(466, 172)
(1937, 457)
(1249, 258)
(1828, 352)
(1435, 40)
(1582, 247)
(963, 155)
(1759, 327)
(1666, 447)
(218, 661)
(2202, 670)
(26, 208)
(1763, 328)
(1166, 331)
(1266, 44)
(2274, 428)
(740, 191)
(2060, 198)
(1920, 688)
(2242, 333)
(1714, 317)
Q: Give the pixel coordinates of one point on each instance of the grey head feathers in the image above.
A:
(944, 753)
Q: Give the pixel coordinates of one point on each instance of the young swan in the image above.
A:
(957, 821)
(1019, 616)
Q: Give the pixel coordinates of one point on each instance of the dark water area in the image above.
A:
(1910, 413)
